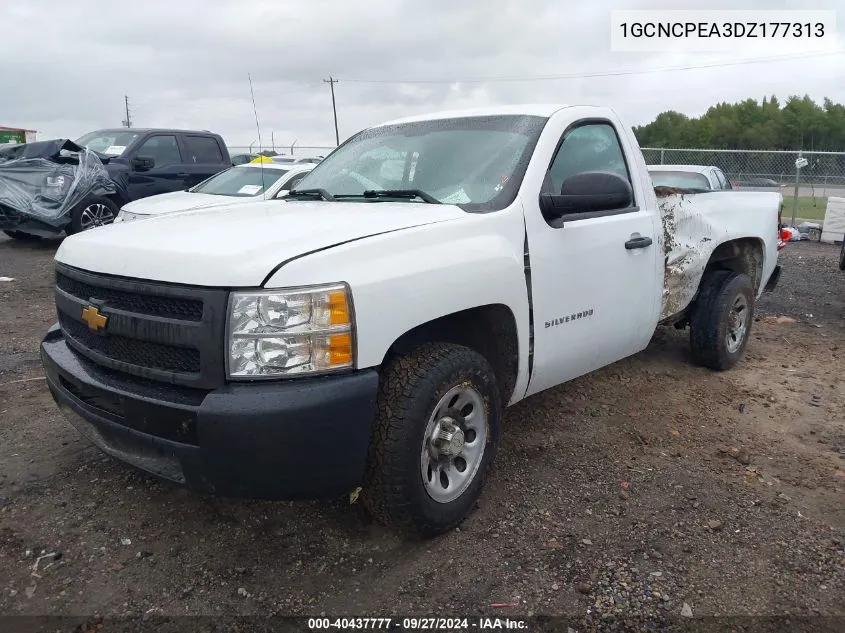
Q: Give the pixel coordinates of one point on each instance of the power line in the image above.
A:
(331, 81)
(607, 73)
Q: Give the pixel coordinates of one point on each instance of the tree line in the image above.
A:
(798, 124)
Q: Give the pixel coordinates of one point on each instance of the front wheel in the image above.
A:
(91, 213)
(842, 256)
(435, 438)
(720, 323)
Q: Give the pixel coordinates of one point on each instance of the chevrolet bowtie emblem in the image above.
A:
(95, 320)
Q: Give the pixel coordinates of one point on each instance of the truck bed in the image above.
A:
(696, 223)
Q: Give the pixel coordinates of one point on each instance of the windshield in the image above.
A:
(474, 162)
(241, 181)
(680, 179)
(110, 143)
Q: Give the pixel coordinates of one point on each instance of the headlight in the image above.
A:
(290, 331)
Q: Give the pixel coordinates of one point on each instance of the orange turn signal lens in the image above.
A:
(338, 308)
(340, 349)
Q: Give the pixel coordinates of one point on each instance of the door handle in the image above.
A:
(637, 242)
(183, 174)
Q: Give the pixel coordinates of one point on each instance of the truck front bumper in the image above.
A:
(295, 439)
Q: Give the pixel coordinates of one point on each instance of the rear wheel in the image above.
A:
(842, 256)
(720, 323)
(23, 237)
(91, 213)
(435, 438)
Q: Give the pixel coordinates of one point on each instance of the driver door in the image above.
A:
(168, 174)
(596, 287)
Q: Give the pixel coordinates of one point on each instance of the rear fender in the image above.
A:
(727, 224)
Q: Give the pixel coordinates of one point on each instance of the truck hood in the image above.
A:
(180, 201)
(240, 244)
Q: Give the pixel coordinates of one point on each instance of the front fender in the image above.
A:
(406, 278)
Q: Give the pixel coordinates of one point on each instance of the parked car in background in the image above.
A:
(241, 159)
(49, 186)
(147, 162)
(139, 163)
(295, 160)
(702, 177)
(755, 182)
(366, 338)
(236, 184)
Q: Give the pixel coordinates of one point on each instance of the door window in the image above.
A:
(203, 149)
(723, 182)
(164, 149)
(589, 147)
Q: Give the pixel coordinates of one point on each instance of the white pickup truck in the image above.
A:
(363, 335)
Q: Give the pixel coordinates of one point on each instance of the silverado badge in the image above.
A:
(95, 320)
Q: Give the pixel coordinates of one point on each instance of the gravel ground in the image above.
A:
(648, 491)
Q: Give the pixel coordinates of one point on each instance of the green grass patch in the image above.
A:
(810, 209)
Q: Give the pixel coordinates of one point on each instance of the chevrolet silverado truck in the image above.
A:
(363, 335)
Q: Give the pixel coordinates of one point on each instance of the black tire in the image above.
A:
(711, 315)
(411, 387)
(23, 237)
(842, 256)
(77, 216)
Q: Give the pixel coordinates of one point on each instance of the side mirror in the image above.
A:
(587, 192)
(282, 193)
(143, 163)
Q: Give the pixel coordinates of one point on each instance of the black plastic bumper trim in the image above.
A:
(294, 439)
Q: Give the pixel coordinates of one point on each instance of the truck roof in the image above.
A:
(536, 109)
(698, 169)
(144, 130)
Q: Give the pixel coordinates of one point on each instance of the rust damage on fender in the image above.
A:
(688, 240)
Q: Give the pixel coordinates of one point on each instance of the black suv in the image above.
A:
(140, 163)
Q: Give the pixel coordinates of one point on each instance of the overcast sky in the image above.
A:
(184, 63)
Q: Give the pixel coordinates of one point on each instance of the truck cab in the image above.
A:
(364, 334)
(147, 162)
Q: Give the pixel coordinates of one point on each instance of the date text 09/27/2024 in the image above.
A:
(417, 624)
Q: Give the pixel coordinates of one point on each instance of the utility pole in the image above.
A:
(331, 81)
(128, 121)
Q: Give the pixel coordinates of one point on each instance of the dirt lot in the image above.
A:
(646, 489)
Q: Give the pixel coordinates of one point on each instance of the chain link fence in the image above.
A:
(824, 174)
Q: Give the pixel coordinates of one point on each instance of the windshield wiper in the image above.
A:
(322, 194)
(401, 193)
(393, 193)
